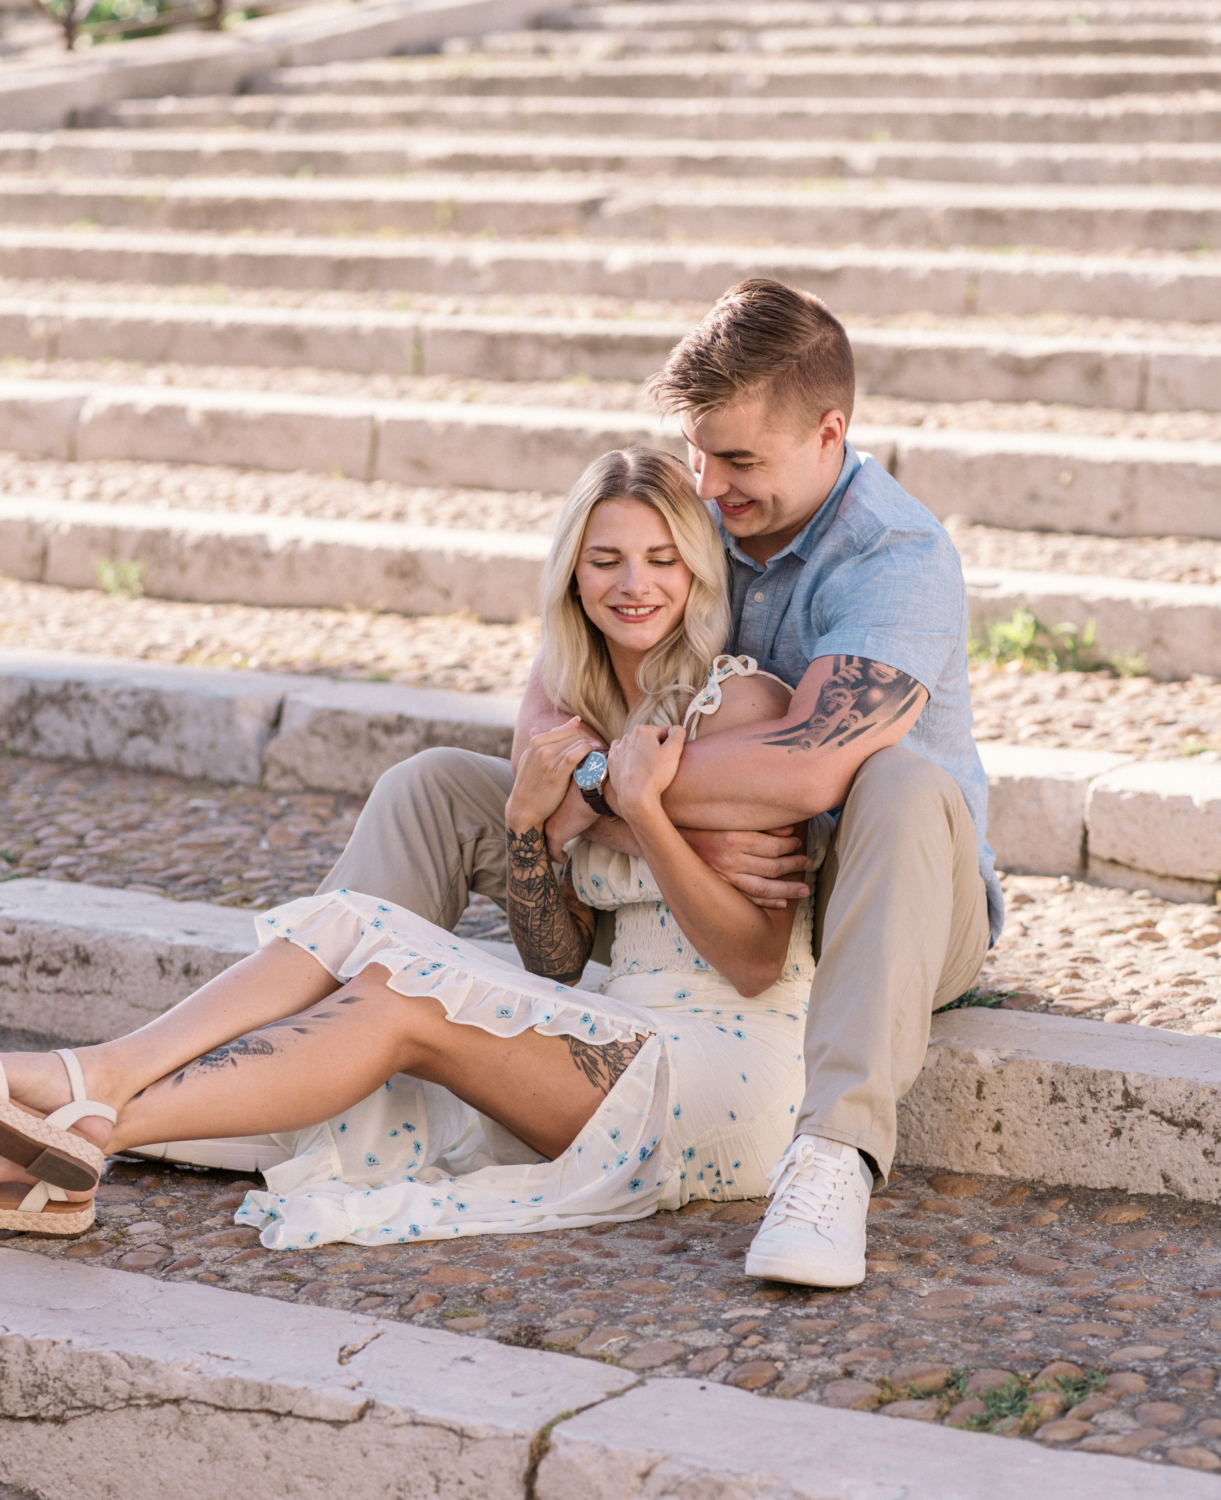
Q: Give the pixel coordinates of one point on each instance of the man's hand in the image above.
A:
(767, 867)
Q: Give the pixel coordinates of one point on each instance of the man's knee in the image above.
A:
(442, 773)
(903, 780)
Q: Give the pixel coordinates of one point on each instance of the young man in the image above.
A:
(849, 590)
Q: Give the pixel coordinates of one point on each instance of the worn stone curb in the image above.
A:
(1154, 824)
(1051, 121)
(1006, 1094)
(927, 365)
(42, 96)
(854, 280)
(1086, 219)
(350, 153)
(104, 1374)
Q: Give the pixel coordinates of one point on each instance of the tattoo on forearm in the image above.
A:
(603, 1065)
(860, 697)
(552, 929)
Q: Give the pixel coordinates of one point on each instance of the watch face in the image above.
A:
(591, 772)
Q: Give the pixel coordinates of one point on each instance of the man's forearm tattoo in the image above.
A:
(552, 929)
(860, 697)
(604, 1066)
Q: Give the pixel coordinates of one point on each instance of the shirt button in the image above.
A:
(759, 597)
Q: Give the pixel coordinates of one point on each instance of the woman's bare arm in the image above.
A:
(745, 942)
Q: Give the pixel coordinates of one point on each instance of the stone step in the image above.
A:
(1120, 373)
(877, 283)
(257, 1384)
(1121, 120)
(1088, 219)
(1008, 40)
(718, 15)
(1022, 480)
(103, 153)
(271, 561)
(716, 75)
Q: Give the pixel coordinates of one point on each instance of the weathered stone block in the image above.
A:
(87, 963)
(341, 736)
(1036, 805)
(140, 1378)
(1078, 1102)
(660, 1441)
(1163, 817)
(182, 721)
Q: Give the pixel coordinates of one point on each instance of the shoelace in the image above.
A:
(798, 1194)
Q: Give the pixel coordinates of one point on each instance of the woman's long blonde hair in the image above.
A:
(577, 671)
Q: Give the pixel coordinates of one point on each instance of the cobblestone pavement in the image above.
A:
(1070, 947)
(1091, 710)
(1088, 1320)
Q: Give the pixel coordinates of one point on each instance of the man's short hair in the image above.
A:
(762, 339)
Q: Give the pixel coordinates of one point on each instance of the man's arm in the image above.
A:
(762, 776)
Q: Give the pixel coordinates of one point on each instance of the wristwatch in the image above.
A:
(590, 777)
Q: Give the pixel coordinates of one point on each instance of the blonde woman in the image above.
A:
(426, 1090)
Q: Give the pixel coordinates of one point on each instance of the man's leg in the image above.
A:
(900, 928)
(432, 831)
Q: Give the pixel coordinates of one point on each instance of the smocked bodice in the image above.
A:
(648, 939)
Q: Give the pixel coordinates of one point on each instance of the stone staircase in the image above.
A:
(451, 274)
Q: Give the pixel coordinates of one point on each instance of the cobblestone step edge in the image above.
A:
(1124, 374)
(1102, 486)
(129, 1375)
(854, 280)
(354, 153)
(1037, 1097)
(1063, 217)
(1152, 825)
(290, 561)
(1131, 119)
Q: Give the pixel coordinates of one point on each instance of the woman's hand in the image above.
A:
(642, 765)
(544, 774)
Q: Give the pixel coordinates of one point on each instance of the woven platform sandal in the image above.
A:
(43, 1147)
(42, 1209)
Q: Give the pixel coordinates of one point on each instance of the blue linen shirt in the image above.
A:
(873, 574)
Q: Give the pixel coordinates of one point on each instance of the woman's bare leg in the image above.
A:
(312, 1066)
(273, 983)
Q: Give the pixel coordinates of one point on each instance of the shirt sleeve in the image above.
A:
(900, 600)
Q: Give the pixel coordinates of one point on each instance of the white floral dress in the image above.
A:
(703, 1110)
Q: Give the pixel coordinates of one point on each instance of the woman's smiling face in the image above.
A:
(632, 582)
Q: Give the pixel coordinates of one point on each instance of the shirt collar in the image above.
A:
(812, 532)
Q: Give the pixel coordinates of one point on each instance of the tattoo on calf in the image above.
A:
(860, 697)
(603, 1065)
(552, 928)
(228, 1055)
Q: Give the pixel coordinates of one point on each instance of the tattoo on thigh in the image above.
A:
(603, 1065)
(860, 697)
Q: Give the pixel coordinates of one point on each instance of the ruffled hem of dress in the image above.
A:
(346, 932)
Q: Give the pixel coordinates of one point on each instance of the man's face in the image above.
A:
(766, 479)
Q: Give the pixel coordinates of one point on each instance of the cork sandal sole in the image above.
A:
(48, 1152)
(53, 1219)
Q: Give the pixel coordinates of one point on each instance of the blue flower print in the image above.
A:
(343, 1127)
(736, 1165)
(504, 1011)
(313, 947)
(682, 994)
(371, 1160)
(393, 1133)
(741, 1035)
(538, 1198)
(413, 1229)
(377, 922)
(732, 1116)
(744, 1079)
(436, 1203)
(380, 907)
(688, 1153)
(409, 1127)
(613, 1132)
(635, 1185)
(678, 1110)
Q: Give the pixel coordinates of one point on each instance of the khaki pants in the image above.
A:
(901, 923)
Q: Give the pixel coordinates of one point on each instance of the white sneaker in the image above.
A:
(814, 1231)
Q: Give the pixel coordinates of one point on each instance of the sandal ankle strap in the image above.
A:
(81, 1105)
